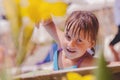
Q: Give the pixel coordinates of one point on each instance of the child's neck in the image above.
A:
(85, 56)
(71, 62)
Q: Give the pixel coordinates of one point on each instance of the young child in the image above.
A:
(77, 42)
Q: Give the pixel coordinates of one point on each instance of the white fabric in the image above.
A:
(40, 35)
(4, 26)
(117, 12)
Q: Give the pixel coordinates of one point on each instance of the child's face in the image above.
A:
(75, 46)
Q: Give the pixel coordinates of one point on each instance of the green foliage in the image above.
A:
(27, 33)
(103, 73)
(14, 15)
(4, 74)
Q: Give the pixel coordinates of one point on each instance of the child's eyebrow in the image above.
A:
(66, 35)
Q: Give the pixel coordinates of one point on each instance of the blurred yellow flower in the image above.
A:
(12, 13)
(36, 10)
(24, 11)
(73, 76)
(88, 77)
(58, 8)
(17, 1)
(77, 76)
(27, 33)
(39, 10)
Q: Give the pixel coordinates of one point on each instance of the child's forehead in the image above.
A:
(76, 34)
(78, 30)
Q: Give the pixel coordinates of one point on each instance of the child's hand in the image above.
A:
(47, 22)
(37, 24)
(52, 29)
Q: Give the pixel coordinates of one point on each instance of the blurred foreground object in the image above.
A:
(103, 73)
(39, 10)
(21, 33)
(35, 10)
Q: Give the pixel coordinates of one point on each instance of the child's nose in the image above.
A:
(71, 44)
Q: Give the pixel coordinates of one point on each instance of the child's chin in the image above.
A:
(70, 57)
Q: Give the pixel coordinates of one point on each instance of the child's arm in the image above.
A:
(53, 31)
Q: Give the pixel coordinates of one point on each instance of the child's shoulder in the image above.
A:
(88, 62)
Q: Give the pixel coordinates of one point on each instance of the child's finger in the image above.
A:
(37, 24)
(47, 22)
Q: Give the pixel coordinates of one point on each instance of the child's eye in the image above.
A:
(79, 40)
(68, 37)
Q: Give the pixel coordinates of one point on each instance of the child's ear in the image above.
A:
(92, 44)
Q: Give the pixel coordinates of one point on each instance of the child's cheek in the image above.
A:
(65, 42)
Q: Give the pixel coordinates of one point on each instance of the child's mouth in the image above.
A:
(71, 51)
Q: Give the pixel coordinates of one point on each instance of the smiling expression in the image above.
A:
(75, 46)
(81, 29)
